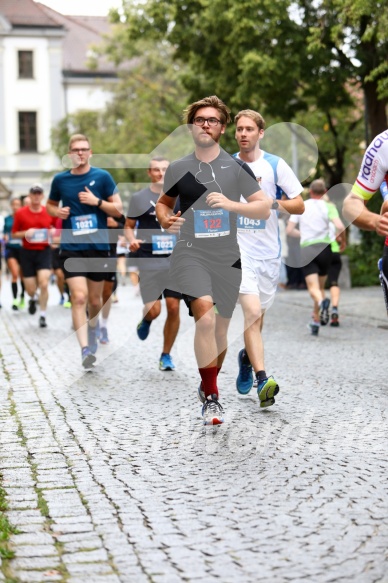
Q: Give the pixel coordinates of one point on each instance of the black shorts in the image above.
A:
(153, 286)
(110, 277)
(316, 259)
(13, 253)
(56, 259)
(90, 263)
(196, 275)
(32, 261)
(334, 270)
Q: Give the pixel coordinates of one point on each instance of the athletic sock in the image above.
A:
(14, 286)
(209, 381)
(261, 375)
(104, 322)
(23, 289)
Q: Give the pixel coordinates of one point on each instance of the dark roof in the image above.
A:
(26, 13)
(82, 32)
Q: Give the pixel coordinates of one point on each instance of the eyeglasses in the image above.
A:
(79, 150)
(212, 121)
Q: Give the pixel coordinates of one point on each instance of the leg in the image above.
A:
(94, 300)
(30, 285)
(222, 326)
(205, 346)
(315, 291)
(171, 326)
(60, 280)
(253, 324)
(79, 295)
(43, 277)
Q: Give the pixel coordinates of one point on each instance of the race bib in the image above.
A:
(15, 242)
(163, 244)
(84, 224)
(211, 223)
(246, 225)
(39, 236)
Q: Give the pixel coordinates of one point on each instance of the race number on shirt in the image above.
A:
(211, 223)
(84, 224)
(246, 225)
(163, 244)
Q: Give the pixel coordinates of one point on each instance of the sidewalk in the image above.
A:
(111, 477)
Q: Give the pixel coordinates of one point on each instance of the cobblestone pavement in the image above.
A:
(111, 476)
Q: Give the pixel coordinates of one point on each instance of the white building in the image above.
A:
(43, 77)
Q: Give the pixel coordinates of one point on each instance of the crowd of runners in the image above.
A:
(206, 231)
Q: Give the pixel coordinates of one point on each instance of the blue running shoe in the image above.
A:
(244, 381)
(104, 335)
(165, 362)
(87, 358)
(62, 301)
(143, 329)
(314, 327)
(92, 339)
(212, 412)
(266, 391)
(324, 311)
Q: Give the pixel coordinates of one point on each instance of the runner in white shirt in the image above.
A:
(260, 248)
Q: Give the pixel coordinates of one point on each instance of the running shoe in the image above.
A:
(324, 311)
(32, 306)
(88, 359)
(92, 339)
(42, 322)
(21, 302)
(212, 412)
(314, 327)
(266, 391)
(15, 305)
(165, 362)
(244, 381)
(61, 301)
(201, 394)
(104, 335)
(334, 319)
(67, 304)
(143, 329)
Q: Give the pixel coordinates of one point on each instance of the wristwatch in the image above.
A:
(99, 202)
(275, 205)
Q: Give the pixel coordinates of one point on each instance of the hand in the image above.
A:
(63, 212)
(87, 197)
(29, 233)
(174, 223)
(217, 200)
(135, 245)
(382, 225)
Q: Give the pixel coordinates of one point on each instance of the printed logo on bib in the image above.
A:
(84, 224)
(163, 244)
(39, 236)
(211, 223)
(246, 225)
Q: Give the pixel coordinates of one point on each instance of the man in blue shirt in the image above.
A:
(88, 195)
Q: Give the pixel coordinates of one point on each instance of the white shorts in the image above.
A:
(260, 277)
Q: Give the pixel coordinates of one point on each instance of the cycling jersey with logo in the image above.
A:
(374, 167)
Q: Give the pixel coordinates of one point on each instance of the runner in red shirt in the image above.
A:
(33, 225)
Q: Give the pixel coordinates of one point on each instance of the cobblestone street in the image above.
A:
(111, 477)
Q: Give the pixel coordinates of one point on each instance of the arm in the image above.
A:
(112, 206)
(355, 211)
(165, 213)
(258, 205)
(291, 230)
(53, 209)
(129, 232)
(292, 206)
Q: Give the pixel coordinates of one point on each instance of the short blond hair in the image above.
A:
(78, 138)
(211, 101)
(318, 186)
(254, 115)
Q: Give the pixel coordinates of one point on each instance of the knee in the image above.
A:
(173, 311)
(207, 322)
(95, 302)
(78, 299)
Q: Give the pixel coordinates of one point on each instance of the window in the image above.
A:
(27, 131)
(26, 68)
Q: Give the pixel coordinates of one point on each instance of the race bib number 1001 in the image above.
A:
(84, 224)
(211, 223)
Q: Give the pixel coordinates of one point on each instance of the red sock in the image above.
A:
(209, 380)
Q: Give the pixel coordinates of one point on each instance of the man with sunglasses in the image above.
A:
(88, 195)
(205, 264)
